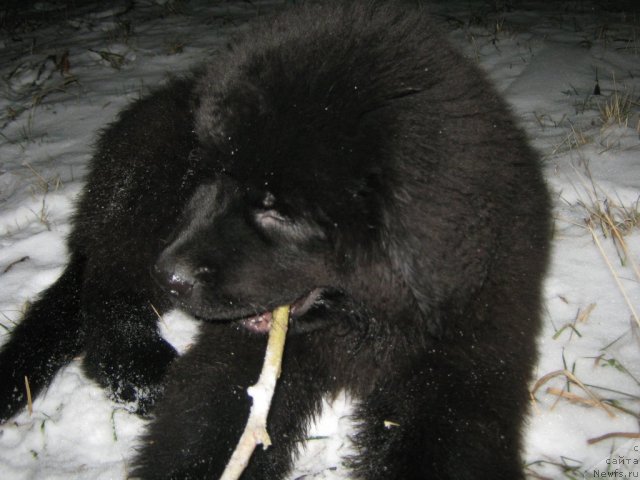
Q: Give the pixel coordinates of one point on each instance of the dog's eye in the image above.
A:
(278, 226)
(267, 216)
(271, 218)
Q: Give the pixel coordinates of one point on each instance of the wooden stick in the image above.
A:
(262, 392)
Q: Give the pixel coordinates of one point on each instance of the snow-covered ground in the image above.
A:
(66, 73)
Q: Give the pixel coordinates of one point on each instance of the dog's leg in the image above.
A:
(448, 416)
(46, 339)
(206, 407)
(124, 350)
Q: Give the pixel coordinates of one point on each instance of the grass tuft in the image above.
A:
(618, 109)
(574, 139)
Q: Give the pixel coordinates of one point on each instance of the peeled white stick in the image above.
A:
(262, 392)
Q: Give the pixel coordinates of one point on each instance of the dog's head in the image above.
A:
(236, 255)
(325, 175)
(296, 187)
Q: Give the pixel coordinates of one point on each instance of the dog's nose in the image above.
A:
(174, 276)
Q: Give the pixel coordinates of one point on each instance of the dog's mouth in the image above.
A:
(262, 322)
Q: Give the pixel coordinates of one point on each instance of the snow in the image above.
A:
(545, 59)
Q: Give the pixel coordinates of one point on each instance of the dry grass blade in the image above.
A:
(618, 228)
(155, 310)
(617, 109)
(614, 219)
(606, 436)
(573, 379)
(614, 273)
(573, 140)
(29, 398)
(572, 397)
(583, 315)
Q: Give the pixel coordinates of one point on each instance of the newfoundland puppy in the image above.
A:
(342, 159)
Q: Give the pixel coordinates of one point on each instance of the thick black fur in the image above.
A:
(341, 159)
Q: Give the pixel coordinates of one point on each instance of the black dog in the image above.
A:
(343, 160)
